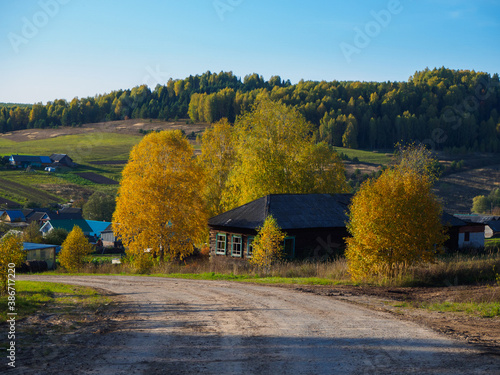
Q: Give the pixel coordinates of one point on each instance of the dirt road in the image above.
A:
(187, 326)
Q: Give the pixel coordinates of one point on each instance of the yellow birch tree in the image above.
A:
(268, 244)
(11, 252)
(395, 222)
(160, 205)
(276, 154)
(217, 158)
(74, 249)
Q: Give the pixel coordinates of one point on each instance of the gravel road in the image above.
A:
(189, 326)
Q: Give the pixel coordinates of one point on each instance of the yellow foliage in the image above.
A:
(395, 221)
(11, 251)
(217, 158)
(276, 154)
(160, 204)
(268, 244)
(74, 249)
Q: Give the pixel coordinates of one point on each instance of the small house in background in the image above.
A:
(109, 239)
(491, 222)
(462, 233)
(315, 225)
(41, 252)
(13, 216)
(67, 225)
(25, 161)
(62, 160)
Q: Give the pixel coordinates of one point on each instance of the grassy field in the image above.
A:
(44, 188)
(366, 156)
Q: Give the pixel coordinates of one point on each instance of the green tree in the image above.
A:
(268, 245)
(74, 249)
(99, 207)
(56, 236)
(32, 233)
(160, 204)
(11, 253)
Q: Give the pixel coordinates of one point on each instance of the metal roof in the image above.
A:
(15, 215)
(291, 211)
(36, 246)
(98, 226)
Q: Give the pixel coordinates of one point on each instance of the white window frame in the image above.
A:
(238, 254)
(218, 240)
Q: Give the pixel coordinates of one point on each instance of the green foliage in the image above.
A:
(99, 207)
(56, 236)
(32, 233)
(373, 115)
(489, 204)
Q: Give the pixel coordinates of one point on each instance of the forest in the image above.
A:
(453, 110)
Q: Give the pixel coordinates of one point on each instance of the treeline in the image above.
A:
(448, 109)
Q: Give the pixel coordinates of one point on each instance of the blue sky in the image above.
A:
(52, 49)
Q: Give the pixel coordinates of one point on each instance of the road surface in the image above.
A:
(210, 327)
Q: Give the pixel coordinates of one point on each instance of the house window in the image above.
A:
(467, 236)
(236, 248)
(290, 247)
(220, 244)
(249, 247)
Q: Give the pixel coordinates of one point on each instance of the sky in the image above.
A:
(61, 49)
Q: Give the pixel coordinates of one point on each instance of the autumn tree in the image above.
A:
(394, 221)
(74, 249)
(99, 207)
(11, 253)
(268, 245)
(217, 158)
(273, 148)
(160, 204)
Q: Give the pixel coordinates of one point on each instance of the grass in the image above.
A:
(482, 309)
(44, 297)
(366, 156)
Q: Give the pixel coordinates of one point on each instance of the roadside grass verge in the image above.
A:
(482, 309)
(51, 298)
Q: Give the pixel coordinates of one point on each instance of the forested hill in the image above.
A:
(442, 107)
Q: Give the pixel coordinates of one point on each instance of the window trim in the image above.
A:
(249, 243)
(222, 235)
(293, 247)
(241, 245)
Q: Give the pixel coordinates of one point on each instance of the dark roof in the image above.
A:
(66, 214)
(452, 221)
(58, 157)
(490, 220)
(291, 211)
(35, 216)
(26, 158)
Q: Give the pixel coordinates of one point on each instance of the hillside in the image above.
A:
(100, 149)
(447, 109)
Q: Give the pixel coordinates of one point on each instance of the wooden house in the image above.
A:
(315, 225)
(62, 160)
(41, 252)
